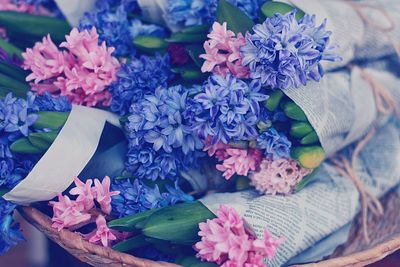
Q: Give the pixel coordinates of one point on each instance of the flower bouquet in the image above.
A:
(203, 117)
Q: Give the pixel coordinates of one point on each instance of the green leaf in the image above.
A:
(194, 51)
(131, 243)
(17, 92)
(196, 29)
(299, 129)
(193, 75)
(39, 142)
(293, 111)
(51, 120)
(23, 146)
(181, 37)
(305, 181)
(3, 191)
(274, 99)
(150, 44)
(237, 21)
(131, 223)
(33, 26)
(178, 223)
(13, 72)
(13, 85)
(269, 9)
(42, 140)
(10, 48)
(311, 138)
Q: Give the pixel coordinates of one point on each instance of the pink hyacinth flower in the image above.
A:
(84, 193)
(218, 149)
(278, 176)
(229, 216)
(225, 241)
(102, 234)
(68, 213)
(223, 52)
(103, 195)
(268, 246)
(240, 162)
(81, 70)
(44, 60)
(255, 260)
(220, 36)
(212, 57)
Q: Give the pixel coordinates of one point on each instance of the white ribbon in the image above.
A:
(66, 158)
(73, 10)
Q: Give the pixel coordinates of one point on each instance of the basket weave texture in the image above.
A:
(384, 234)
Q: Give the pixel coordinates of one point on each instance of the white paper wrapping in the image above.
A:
(66, 158)
(73, 10)
(155, 10)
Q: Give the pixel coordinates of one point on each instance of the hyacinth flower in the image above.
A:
(283, 52)
(136, 78)
(226, 241)
(230, 109)
(79, 68)
(223, 52)
(278, 176)
(161, 142)
(116, 27)
(73, 214)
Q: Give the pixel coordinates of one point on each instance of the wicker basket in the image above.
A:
(384, 234)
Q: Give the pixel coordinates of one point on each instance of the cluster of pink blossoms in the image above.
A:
(223, 52)
(278, 176)
(227, 241)
(81, 70)
(73, 214)
(234, 160)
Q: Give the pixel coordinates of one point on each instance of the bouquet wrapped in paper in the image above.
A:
(217, 98)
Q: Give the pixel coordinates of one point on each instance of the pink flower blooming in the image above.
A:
(102, 234)
(226, 241)
(84, 193)
(103, 195)
(240, 161)
(68, 213)
(218, 149)
(223, 52)
(278, 176)
(79, 68)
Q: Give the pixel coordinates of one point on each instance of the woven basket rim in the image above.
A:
(74, 242)
(85, 251)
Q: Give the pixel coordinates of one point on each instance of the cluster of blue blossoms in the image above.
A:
(16, 118)
(161, 141)
(136, 197)
(115, 27)
(136, 78)
(202, 12)
(283, 52)
(158, 133)
(230, 109)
